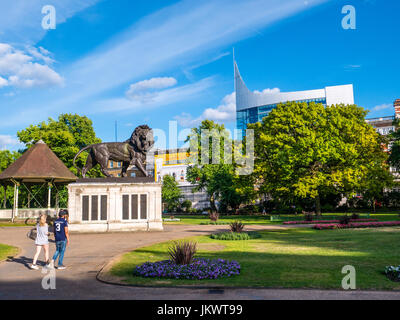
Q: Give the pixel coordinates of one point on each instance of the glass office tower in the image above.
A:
(251, 106)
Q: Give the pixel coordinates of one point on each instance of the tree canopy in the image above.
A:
(170, 192)
(213, 168)
(306, 150)
(65, 137)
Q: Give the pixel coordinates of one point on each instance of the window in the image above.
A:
(94, 208)
(133, 205)
(111, 164)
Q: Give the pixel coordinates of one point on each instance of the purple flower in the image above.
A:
(198, 269)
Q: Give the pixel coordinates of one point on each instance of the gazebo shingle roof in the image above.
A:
(38, 164)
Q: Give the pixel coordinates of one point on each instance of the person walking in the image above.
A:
(62, 239)
(42, 240)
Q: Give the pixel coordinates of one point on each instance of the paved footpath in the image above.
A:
(88, 253)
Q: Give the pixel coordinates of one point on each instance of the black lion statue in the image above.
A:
(131, 152)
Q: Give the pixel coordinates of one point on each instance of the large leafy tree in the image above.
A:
(308, 150)
(6, 158)
(65, 137)
(170, 192)
(211, 171)
(394, 137)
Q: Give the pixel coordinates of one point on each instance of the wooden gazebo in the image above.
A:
(37, 166)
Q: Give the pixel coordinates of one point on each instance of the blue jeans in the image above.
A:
(60, 249)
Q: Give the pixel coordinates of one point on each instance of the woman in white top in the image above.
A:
(42, 240)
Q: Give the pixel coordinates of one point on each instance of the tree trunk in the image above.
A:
(373, 204)
(212, 204)
(318, 205)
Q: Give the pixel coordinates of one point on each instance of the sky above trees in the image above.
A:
(152, 62)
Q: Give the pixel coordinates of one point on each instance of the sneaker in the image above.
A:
(50, 265)
(61, 267)
(34, 266)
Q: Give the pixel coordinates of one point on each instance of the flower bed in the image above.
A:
(233, 236)
(357, 225)
(327, 221)
(199, 269)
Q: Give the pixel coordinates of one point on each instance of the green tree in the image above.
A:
(307, 150)
(6, 159)
(65, 137)
(213, 169)
(394, 138)
(170, 192)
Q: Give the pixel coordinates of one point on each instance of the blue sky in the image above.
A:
(152, 62)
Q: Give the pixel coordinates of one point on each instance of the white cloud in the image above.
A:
(382, 107)
(158, 98)
(41, 54)
(146, 90)
(225, 112)
(267, 91)
(6, 141)
(23, 70)
(3, 82)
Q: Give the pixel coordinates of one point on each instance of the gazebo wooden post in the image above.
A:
(49, 196)
(57, 201)
(15, 206)
(29, 198)
(5, 196)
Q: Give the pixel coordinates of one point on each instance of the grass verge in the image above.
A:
(295, 258)
(6, 251)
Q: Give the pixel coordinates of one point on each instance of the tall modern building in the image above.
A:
(251, 106)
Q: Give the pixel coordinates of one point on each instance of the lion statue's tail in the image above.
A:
(80, 151)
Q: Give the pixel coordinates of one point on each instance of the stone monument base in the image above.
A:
(114, 204)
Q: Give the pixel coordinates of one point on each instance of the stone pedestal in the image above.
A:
(115, 204)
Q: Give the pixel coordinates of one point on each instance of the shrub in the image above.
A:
(182, 252)
(234, 236)
(198, 269)
(186, 205)
(355, 216)
(308, 217)
(214, 223)
(327, 221)
(357, 225)
(214, 216)
(344, 219)
(236, 226)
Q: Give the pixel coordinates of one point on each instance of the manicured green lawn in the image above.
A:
(265, 220)
(198, 219)
(293, 258)
(6, 251)
(5, 223)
